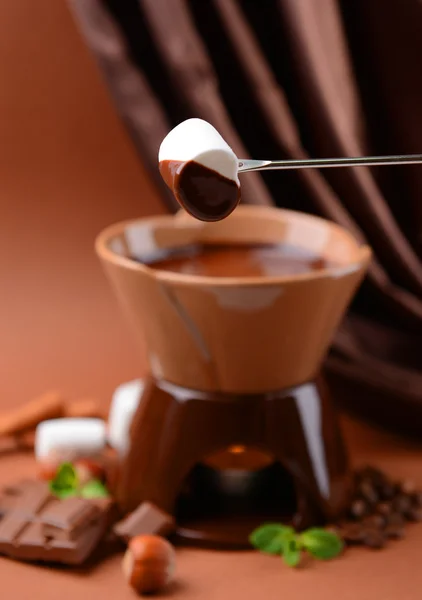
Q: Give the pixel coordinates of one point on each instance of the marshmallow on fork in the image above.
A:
(69, 438)
(201, 169)
(124, 403)
(198, 141)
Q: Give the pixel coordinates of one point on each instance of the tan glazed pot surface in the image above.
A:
(237, 335)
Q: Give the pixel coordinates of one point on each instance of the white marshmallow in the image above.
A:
(124, 403)
(199, 141)
(77, 437)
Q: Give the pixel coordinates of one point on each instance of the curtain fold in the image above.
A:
(139, 107)
(195, 80)
(298, 78)
(338, 126)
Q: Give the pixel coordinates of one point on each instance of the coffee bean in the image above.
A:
(394, 532)
(374, 539)
(402, 504)
(384, 508)
(374, 522)
(387, 491)
(414, 514)
(395, 520)
(367, 491)
(359, 509)
(407, 487)
(371, 474)
(352, 533)
(380, 509)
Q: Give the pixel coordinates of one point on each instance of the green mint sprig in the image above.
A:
(278, 539)
(322, 544)
(66, 484)
(94, 489)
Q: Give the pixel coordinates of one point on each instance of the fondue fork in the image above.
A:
(246, 165)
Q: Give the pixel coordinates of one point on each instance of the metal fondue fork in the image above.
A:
(246, 165)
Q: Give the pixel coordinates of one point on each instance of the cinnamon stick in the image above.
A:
(48, 406)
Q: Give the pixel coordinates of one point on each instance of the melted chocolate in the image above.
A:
(245, 260)
(202, 192)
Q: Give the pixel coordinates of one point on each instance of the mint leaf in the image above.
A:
(94, 489)
(275, 546)
(65, 481)
(269, 537)
(321, 544)
(64, 493)
(66, 476)
(292, 550)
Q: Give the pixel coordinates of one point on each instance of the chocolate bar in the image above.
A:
(146, 519)
(34, 525)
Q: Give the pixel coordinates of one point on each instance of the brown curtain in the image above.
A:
(298, 78)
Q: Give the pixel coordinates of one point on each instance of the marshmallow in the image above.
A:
(124, 403)
(72, 436)
(198, 141)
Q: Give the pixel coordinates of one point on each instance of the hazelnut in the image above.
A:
(148, 563)
(87, 469)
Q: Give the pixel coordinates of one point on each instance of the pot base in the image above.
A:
(175, 430)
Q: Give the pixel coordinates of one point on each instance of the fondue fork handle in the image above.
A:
(246, 165)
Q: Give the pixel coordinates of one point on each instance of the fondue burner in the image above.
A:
(175, 429)
(234, 427)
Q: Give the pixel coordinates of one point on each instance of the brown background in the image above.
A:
(67, 169)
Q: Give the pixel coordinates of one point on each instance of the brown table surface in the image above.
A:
(390, 574)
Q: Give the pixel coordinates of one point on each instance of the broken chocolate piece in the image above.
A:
(146, 519)
(68, 519)
(34, 525)
(31, 500)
